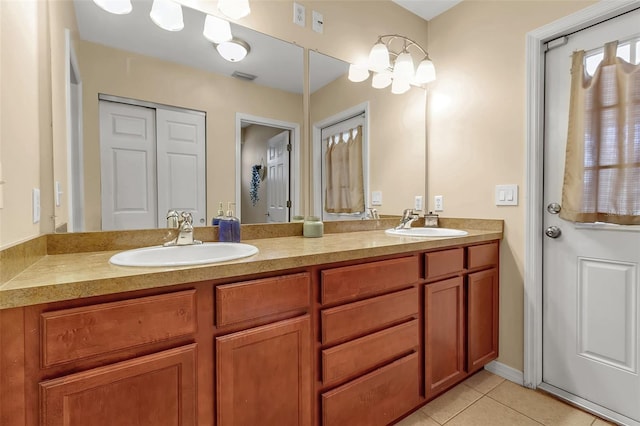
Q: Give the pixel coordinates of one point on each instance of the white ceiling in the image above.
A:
(427, 9)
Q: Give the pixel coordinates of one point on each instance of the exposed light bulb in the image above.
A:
(234, 50)
(381, 80)
(234, 9)
(167, 14)
(117, 7)
(216, 30)
(426, 72)
(358, 73)
(379, 57)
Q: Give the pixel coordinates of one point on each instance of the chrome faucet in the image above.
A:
(408, 217)
(183, 222)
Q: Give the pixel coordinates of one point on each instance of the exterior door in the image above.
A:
(181, 164)
(591, 273)
(128, 166)
(278, 177)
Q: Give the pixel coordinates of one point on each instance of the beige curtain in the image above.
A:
(344, 182)
(602, 166)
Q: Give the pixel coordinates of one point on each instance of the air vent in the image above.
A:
(243, 76)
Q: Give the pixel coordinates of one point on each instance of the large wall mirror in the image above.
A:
(142, 73)
(129, 59)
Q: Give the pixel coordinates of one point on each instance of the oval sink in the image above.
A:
(426, 232)
(199, 254)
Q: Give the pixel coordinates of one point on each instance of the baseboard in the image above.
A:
(503, 370)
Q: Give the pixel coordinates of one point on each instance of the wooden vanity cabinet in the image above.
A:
(263, 373)
(369, 342)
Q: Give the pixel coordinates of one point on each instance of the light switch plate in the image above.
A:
(506, 195)
(317, 22)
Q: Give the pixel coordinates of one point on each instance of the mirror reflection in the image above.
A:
(393, 142)
(161, 117)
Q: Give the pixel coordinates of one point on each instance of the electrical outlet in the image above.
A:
(438, 203)
(417, 203)
(298, 14)
(376, 198)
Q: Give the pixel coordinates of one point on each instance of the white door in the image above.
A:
(591, 273)
(128, 166)
(181, 164)
(278, 177)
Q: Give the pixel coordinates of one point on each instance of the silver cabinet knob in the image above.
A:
(553, 232)
(554, 208)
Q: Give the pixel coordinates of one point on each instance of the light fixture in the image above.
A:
(117, 7)
(233, 50)
(392, 61)
(358, 73)
(216, 30)
(234, 9)
(167, 14)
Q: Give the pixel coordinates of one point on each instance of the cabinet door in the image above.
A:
(158, 389)
(444, 334)
(482, 319)
(264, 375)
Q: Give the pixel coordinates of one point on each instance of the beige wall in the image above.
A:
(119, 73)
(25, 108)
(476, 135)
(396, 136)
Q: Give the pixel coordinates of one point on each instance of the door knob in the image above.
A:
(554, 208)
(553, 232)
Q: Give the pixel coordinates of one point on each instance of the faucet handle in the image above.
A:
(172, 219)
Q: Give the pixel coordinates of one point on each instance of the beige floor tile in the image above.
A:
(418, 419)
(538, 406)
(487, 412)
(483, 381)
(451, 403)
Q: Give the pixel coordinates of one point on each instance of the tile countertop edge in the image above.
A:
(71, 276)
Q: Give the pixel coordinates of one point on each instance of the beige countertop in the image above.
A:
(56, 277)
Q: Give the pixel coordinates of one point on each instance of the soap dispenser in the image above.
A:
(216, 220)
(229, 230)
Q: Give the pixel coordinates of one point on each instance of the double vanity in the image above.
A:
(356, 327)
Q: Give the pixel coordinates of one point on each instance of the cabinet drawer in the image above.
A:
(444, 262)
(483, 255)
(362, 354)
(77, 333)
(250, 300)
(361, 317)
(350, 282)
(375, 399)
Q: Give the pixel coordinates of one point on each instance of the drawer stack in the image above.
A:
(369, 342)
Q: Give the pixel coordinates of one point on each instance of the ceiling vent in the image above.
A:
(243, 76)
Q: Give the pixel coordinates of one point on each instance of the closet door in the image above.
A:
(181, 164)
(128, 166)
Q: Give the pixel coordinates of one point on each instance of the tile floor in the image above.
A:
(485, 399)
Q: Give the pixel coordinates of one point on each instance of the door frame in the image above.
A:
(535, 40)
(295, 185)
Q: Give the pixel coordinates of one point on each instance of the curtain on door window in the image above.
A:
(602, 166)
(344, 183)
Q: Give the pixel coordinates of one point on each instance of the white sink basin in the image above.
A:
(199, 254)
(426, 232)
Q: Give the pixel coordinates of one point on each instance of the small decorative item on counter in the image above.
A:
(312, 227)
(229, 227)
(216, 220)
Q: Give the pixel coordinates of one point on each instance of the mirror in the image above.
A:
(394, 163)
(129, 57)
